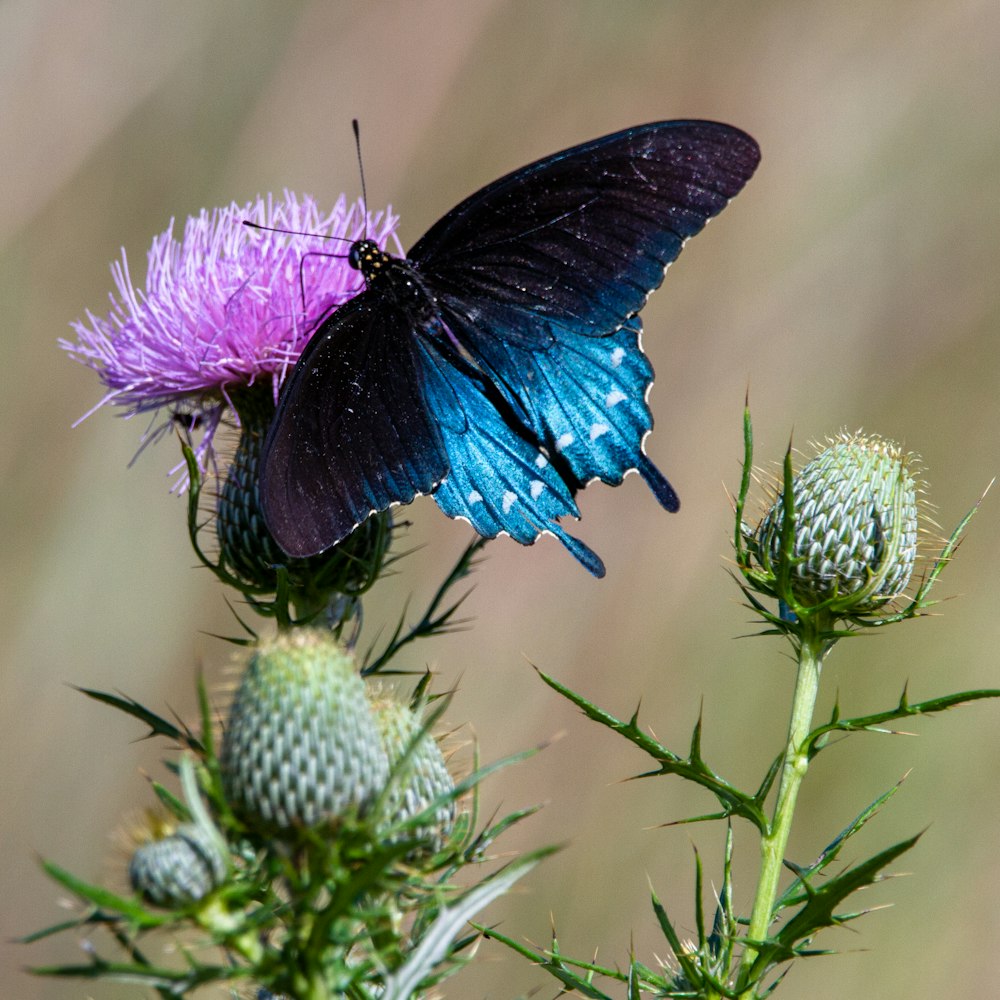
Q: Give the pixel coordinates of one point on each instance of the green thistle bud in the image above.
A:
(178, 869)
(301, 747)
(246, 546)
(423, 776)
(854, 538)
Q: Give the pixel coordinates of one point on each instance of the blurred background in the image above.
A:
(854, 283)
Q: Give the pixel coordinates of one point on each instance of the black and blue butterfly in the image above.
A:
(498, 367)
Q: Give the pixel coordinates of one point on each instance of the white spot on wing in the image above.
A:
(536, 488)
(508, 501)
(541, 461)
(596, 430)
(475, 497)
(614, 397)
(564, 441)
(617, 355)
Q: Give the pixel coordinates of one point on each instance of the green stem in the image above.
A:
(812, 649)
(316, 989)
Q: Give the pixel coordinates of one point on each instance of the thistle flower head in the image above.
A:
(177, 869)
(222, 307)
(301, 747)
(854, 526)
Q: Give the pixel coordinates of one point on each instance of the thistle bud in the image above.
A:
(178, 869)
(854, 538)
(423, 775)
(301, 747)
(245, 544)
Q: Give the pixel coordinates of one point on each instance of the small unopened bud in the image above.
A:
(178, 869)
(854, 539)
(301, 747)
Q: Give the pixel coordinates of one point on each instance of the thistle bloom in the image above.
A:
(224, 307)
(854, 532)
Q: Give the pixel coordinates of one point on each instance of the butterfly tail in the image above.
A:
(657, 482)
(583, 554)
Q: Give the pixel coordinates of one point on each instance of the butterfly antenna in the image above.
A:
(302, 259)
(361, 169)
(294, 232)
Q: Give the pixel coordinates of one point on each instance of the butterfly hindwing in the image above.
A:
(500, 480)
(585, 399)
(352, 434)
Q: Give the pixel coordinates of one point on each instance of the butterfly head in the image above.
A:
(367, 257)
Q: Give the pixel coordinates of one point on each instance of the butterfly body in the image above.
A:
(499, 366)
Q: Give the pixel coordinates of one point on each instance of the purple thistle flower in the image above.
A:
(222, 308)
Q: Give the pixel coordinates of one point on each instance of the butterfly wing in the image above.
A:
(352, 434)
(540, 274)
(584, 399)
(500, 480)
(579, 239)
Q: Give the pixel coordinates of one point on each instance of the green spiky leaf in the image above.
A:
(797, 891)
(819, 910)
(903, 710)
(158, 726)
(437, 619)
(129, 908)
(438, 941)
(693, 768)
(559, 968)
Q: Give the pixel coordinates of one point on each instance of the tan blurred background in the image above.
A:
(853, 283)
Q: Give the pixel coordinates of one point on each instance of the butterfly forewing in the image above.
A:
(582, 237)
(352, 434)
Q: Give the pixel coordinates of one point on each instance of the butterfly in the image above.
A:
(498, 367)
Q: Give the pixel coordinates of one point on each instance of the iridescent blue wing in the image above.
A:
(501, 480)
(352, 434)
(585, 401)
(529, 270)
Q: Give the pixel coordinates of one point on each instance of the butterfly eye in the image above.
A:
(355, 253)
